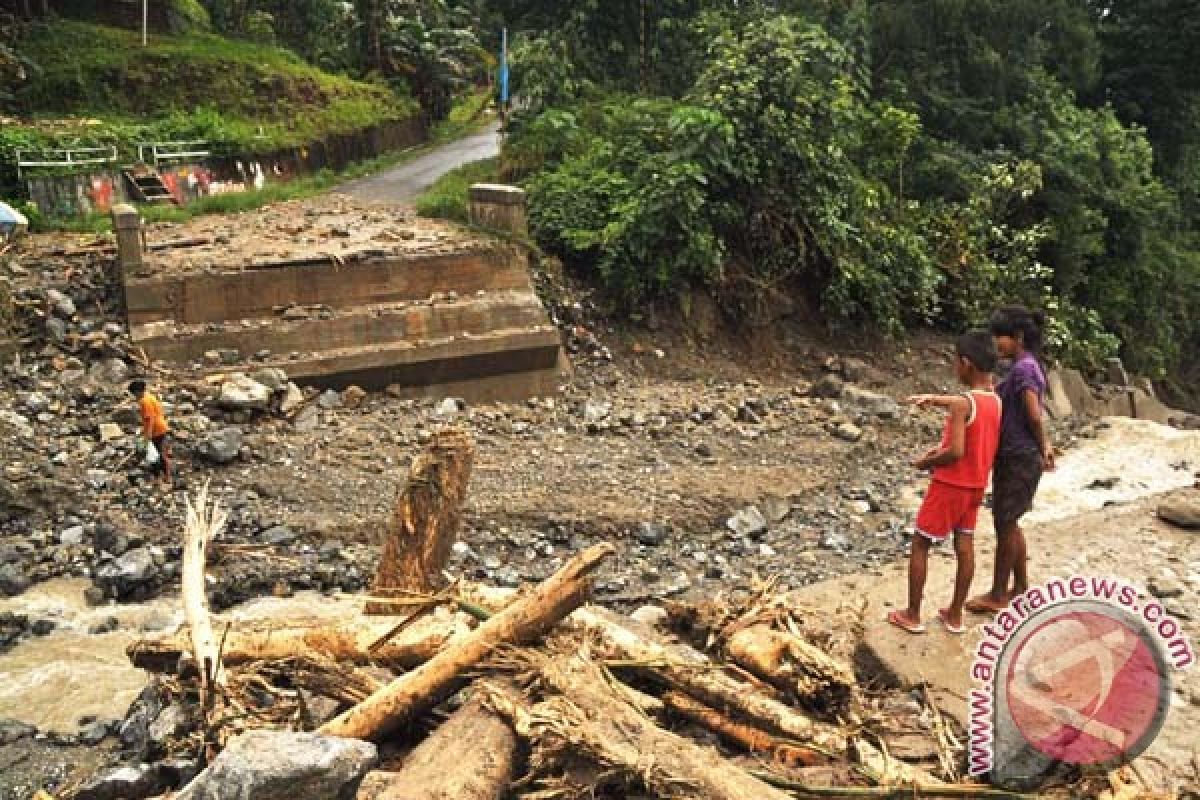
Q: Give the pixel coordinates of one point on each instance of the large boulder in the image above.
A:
(241, 393)
(276, 765)
(123, 576)
(870, 402)
(222, 446)
(123, 783)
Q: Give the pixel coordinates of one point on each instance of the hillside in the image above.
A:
(97, 85)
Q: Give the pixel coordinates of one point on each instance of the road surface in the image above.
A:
(402, 184)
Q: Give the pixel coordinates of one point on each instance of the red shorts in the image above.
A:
(948, 509)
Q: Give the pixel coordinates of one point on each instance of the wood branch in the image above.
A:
(414, 645)
(469, 757)
(792, 664)
(589, 719)
(202, 523)
(527, 618)
(888, 771)
(426, 518)
(620, 640)
(742, 735)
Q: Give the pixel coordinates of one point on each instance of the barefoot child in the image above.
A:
(961, 465)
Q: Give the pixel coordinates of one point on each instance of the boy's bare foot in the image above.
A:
(986, 604)
(902, 620)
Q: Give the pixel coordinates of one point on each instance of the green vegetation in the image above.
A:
(447, 197)
(886, 164)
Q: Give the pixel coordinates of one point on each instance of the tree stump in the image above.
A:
(425, 522)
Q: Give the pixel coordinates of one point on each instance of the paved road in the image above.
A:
(401, 185)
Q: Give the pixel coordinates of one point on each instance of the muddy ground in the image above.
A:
(709, 457)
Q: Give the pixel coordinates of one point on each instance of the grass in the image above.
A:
(467, 117)
(447, 197)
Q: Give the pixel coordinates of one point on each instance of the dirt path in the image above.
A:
(403, 184)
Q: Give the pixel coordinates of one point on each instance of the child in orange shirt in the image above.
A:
(154, 428)
(961, 465)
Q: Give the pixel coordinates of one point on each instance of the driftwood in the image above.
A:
(745, 736)
(619, 641)
(202, 523)
(792, 664)
(588, 719)
(426, 519)
(469, 757)
(525, 619)
(416, 644)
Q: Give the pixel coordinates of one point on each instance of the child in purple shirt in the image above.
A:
(1025, 451)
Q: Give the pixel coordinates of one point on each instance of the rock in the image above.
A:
(42, 627)
(222, 446)
(13, 580)
(134, 731)
(229, 356)
(94, 733)
(1164, 587)
(747, 522)
(60, 304)
(110, 431)
(123, 783)
(450, 406)
(329, 400)
(307, 420)
(110, 540)
(127, 573)
(242, 393)
(833, 540)
(172, 722)
(94, 596)
(110, 372)
(776, 508)
(651, 616)
(36, 402)
(273, 765)
(318, 708)
(12, 730)
(353, 396)
(56, 329)
(295, 313)
(871, 402)
(595, 412)
(279, 535)
(650, 534)
(72, 535)
(860, 506)
(848, 432)
(270, 377)
(1182, 511)
(830, 386)
(109, 624)
(292, 398)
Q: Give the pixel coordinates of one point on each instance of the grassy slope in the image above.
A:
(235, 94)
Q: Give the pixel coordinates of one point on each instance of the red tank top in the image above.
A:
(979, 450)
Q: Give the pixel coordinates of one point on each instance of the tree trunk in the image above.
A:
(470, 757)
(797, 667)
(590, 720)
(527, 618)
(425, 522)
(689, 671)
(414, 645)
(201, 524)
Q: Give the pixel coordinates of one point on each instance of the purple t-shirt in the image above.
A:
(1016, 435)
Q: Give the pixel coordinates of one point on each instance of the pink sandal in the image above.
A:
(895, 618)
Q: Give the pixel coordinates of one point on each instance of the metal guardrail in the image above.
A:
(64, 158)
(172, 151)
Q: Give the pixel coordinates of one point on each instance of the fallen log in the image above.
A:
(425, 521)
(414, 645)
(469, 757)
(525, 619)
(744, 736)
(685, 669)
(589, 719)
(792, 664)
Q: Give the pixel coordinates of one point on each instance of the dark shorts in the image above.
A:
(1015, 479)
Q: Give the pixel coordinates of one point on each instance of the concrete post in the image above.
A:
(498, 207)
(128, 225)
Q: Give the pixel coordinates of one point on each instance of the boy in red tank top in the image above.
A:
(961, 465)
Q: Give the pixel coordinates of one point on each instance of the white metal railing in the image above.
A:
(65, 158)
(172, 151)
